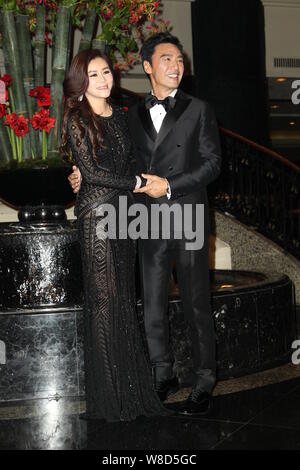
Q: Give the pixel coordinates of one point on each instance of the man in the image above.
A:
(177, 151)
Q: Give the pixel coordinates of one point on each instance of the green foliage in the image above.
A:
(8, 5)
(124, 25)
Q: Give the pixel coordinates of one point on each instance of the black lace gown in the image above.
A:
(118, 378)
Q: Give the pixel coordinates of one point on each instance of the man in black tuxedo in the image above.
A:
(178, 154)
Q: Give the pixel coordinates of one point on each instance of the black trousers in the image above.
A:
(156, 262)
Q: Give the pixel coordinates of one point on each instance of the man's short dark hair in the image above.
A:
(149, 45)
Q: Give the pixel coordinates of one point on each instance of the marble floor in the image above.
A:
(255, 412)
(247, 415)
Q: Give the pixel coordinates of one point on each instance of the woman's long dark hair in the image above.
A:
(75, 85)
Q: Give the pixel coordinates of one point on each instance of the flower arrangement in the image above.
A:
(43, 122)
(18, 125)
(28, 29)
(123, 23)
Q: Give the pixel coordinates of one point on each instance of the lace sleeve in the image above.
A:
(82, 153)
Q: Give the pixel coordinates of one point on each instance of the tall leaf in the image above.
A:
(58, 75)
(11, 53)
(90, 24)
(5, 149)
(24, 40)
(40, 46)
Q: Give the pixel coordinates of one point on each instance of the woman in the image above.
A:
(117, 373)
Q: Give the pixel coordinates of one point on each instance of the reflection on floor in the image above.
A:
(261, 411)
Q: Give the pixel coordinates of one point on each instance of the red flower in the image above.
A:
(42, 94)
(125, 108)
(47, 39)
(7, 80)
(107, 11)
(134, 18)
(11, 120)
(21, 127)
(18, 124)
(42, 121)
(3, 110)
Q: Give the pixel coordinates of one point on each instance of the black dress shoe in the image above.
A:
(165, 387)
(198, 403)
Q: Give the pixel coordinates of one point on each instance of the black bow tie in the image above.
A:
(168, 103)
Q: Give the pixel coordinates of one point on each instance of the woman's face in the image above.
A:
(100, 79)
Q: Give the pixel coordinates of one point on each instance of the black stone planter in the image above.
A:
(40, 192)
(41, 349)
(40, 266)
(255, 324)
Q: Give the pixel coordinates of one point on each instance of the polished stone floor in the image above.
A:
(265, 417)
(255, 412)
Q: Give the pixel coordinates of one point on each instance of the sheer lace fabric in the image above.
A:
(117, 373)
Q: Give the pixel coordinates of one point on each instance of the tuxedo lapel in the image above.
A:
(182, 102)
(172, 116)
(146, 121)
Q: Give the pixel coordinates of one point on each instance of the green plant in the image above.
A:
(29, 27)
(18, 126)
(122, 24)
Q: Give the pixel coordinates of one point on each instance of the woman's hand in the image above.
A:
(75, 179)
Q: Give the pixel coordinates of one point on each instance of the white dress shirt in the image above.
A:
(158, 114)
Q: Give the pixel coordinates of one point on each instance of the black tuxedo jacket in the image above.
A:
(186, 150)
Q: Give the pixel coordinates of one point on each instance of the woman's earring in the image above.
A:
(80, 98)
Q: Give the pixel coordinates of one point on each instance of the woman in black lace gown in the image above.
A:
(117, 372)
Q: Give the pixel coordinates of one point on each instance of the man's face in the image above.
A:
(166, 69)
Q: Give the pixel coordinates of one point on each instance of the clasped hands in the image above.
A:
(155, 187)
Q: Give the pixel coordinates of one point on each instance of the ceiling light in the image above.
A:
(281, 79)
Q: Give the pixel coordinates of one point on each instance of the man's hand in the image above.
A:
(155, 187)
(75, 179)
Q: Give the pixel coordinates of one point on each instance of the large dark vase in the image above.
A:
(40, 264)
(40, 192)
